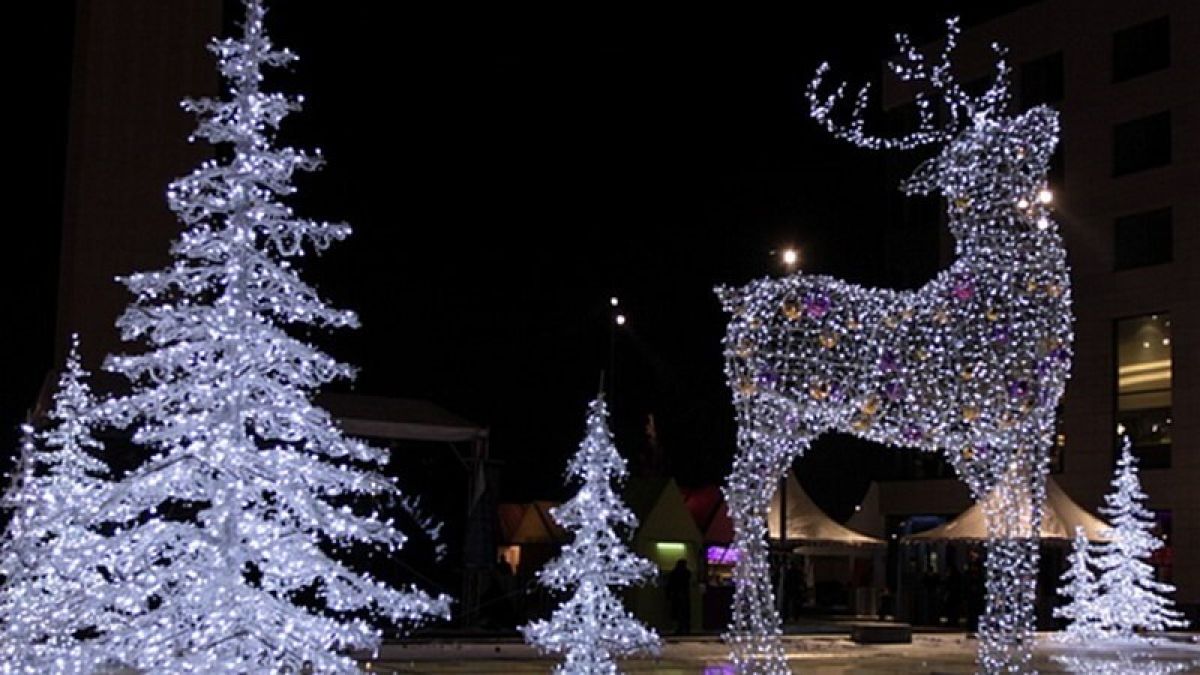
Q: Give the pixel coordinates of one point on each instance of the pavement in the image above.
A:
(928, 654)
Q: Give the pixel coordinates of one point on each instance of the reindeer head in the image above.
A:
(996, 160)
(988, 157)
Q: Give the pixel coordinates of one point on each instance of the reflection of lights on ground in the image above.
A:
(829, 654)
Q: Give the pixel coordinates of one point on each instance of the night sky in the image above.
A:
(507, 170)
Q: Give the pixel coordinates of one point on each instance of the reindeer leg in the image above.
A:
(755, 632)
(1013, 512)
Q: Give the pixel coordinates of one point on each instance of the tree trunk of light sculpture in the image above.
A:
(972, 364)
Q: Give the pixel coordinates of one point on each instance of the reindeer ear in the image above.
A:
(1041, 115)
(925, 180)
(1040, 126)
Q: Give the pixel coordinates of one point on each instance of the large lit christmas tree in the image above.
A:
(51, 553)
(1079, 587)
(250, 485)
(592, 627)
(1130, 599)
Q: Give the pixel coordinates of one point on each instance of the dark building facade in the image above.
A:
(134, 62)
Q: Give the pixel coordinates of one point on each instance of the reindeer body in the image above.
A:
(972, 364)
(864, 361)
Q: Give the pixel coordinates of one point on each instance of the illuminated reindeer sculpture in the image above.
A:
(972, 364)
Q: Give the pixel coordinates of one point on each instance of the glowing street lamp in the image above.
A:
(618, 320)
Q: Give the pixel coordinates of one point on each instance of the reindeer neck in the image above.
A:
(991, 238)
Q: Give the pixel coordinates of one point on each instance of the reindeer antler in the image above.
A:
(960, 107)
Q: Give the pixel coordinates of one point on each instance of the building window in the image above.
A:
(1144, 387)
(1142, 143)
(1141, 239)
(1141, 49)
(1042, 80)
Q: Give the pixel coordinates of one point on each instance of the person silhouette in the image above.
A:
(679, 596)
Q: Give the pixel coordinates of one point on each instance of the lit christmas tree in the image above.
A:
(51, 555)
(1130, 599)
(592, 627)
(1079, 586)
(250, 485)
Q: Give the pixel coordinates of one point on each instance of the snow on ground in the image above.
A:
(940, 654)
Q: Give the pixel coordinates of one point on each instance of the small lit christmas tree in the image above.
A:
(51, 555)
(1130, 599)
(592, 627)
(1079, 586)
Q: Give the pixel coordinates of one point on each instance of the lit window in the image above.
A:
(1144, 387)
(668, 553)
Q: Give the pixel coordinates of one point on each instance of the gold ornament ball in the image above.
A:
(747, 387)
(791, 309)
(870, 406)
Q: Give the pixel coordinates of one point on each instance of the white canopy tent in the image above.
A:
(806, 523)
(1060, 516)
(868, 517)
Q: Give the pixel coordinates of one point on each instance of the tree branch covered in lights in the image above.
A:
(970, 365)
(1130, 599)
(51, 556)
(250, 483)
(592, 627)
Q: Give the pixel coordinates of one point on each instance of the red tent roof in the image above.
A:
(703, 503)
